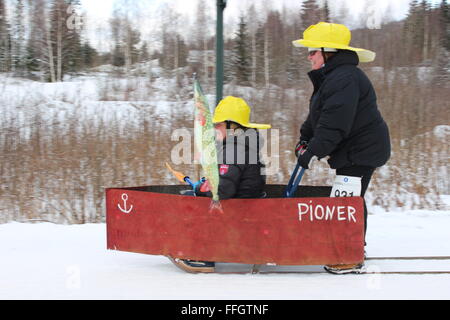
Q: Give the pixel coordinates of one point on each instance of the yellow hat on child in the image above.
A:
(236, 110)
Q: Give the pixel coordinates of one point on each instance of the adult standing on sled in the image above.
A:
(240, 166)
(344, 123)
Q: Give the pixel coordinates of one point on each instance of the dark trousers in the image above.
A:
(366, 174)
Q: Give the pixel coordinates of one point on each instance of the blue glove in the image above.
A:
(200, 185)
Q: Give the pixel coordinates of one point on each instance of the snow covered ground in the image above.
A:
(47, 261)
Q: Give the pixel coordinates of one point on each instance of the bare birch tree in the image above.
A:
(5, 39)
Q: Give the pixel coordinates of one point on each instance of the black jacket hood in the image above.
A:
(342, 57)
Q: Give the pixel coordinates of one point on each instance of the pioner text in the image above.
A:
(317, 212)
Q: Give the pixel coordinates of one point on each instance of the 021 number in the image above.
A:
(338, 193)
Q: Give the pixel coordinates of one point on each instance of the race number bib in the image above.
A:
(345, 186)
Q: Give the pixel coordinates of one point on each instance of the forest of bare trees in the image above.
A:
(56, 168)
(40, 35)
(38, 38)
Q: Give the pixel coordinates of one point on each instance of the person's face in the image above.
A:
(221, 131)
(316, 59)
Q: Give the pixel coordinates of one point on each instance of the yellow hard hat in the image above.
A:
(332, 35)
(236, 110)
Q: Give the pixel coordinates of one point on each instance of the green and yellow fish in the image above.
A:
(205, 140)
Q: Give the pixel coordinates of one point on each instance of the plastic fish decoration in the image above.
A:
(205, 140)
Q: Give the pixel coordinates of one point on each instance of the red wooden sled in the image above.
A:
(310, 229)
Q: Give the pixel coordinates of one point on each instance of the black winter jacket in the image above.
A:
(344, 121)
(240, 168)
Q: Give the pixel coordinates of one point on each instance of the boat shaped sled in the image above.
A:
(309, 229)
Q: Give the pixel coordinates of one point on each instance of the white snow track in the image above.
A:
(47, 261)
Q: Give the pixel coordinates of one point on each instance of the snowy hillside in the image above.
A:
(102, 130)
(46, 261)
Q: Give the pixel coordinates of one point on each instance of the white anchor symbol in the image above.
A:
(125, 199)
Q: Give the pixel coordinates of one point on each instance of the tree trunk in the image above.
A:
(266, 60)
(50, 55)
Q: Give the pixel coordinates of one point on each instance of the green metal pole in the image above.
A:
(221, 4)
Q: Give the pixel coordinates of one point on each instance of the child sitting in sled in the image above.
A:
(239, 146)
(240, 166)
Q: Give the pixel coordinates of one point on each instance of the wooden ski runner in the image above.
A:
(324, 272)
(408, 272)
(409, 258)
(259, 269)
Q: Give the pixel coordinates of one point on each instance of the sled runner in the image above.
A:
(307, 229)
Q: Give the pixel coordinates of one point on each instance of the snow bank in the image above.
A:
(442, 132)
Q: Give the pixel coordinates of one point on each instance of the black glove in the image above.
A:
(306, 158)
(300, 146)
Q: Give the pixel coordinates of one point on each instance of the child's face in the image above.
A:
(221, 131)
